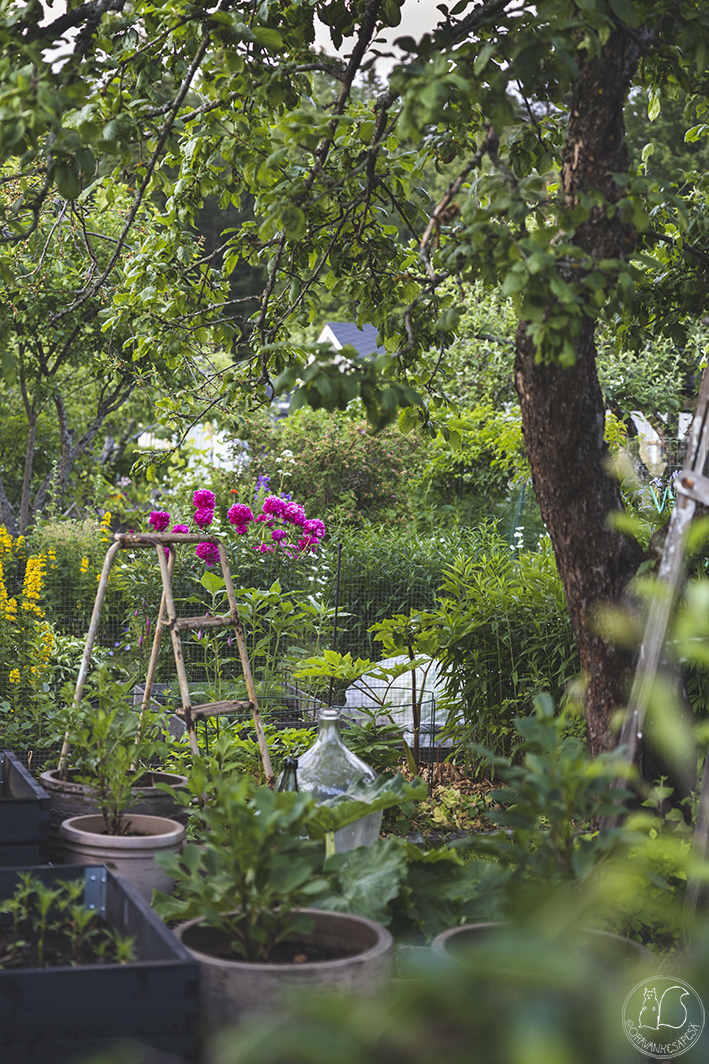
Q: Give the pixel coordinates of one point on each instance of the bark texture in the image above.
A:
(562, 409)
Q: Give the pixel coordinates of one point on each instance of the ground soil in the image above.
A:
(57, 950)
(293, 951)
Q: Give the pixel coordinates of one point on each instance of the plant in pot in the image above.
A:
(552, 841)
(113, 746)
(96, 740)
(247, 892)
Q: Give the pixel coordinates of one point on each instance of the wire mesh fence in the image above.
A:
(287, 608)
(287, 605)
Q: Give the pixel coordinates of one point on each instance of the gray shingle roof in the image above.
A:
(364, 340)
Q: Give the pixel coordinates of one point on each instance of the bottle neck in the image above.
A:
(329, 725)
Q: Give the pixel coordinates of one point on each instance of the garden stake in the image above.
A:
(90, 640)
(337, 607)
(246, 668)
(692, 486)
(157, 638)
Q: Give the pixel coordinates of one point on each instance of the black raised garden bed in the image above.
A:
(61, 1015)
(24, 815)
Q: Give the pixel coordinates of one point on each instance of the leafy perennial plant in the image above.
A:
(26, 638)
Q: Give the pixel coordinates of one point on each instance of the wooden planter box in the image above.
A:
(24, 815)
(61, 1015)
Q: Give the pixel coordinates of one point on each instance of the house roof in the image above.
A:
(339, 333)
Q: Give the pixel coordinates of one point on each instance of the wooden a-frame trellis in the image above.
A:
(168, 619)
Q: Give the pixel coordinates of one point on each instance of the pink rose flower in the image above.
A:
(273, 505)
(207, 552)
(294, 513)
(240, 514)
(315, 528)
(204, 517)
(159, 519)
(204, 499)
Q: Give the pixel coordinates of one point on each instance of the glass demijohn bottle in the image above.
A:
(327, 769)
(289, 776)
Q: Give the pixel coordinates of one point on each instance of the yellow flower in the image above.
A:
(84, 565)
(32, 585)
(5, 542)
(11, 609)
(3, 589)
(46, 644)
(14, 676)
(106, 526)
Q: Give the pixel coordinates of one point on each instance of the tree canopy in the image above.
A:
(522, 106)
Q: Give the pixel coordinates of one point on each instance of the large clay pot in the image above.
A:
(458, 944)
(233, 990)
(68, 799)
(132, 856)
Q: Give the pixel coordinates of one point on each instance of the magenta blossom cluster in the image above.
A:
(240, 516)
(282, 523)
(159, 519)
(284, 526)
(204, 503)
(204, 499)
(207, 552)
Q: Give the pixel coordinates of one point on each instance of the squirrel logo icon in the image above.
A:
(665, 1012)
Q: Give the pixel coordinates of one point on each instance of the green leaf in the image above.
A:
(212, 583)
(360, 799)
(390, 13)
(696, 132)
(370, 877)
(66, 177)
(293, 221)
(626, 11)
(648, 151)
(268, 37)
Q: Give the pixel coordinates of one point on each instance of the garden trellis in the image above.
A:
(692, 487)
(163, 542)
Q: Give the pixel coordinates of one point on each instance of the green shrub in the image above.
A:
(383, 572)
(507, 636)
(334, 466)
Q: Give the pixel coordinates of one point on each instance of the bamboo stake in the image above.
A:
(88, 647)
(171, 617)
(157, 639)
(246, 667)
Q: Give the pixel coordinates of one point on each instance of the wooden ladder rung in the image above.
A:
(213, 709)
(181, 624)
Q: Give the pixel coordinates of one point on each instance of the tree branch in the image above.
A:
(703, 257)
(489, 145)
(364, 37)
(140, 193)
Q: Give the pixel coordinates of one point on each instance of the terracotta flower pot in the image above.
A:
(232, 990)
(68, 799)
(131, 856)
